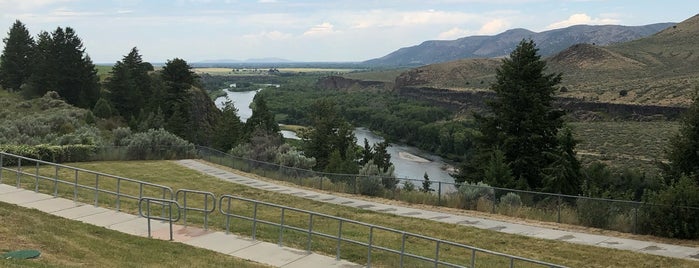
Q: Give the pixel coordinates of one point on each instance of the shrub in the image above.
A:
(158, 144)
(370, 185)
(671, 216)
(594, 213)
(408, 186)
(511, 200)
(121, 136)
(471, 192)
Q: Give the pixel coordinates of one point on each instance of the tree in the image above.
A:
(16, 58)
(682, 152)
(381, 156)
(426, 184)
(328, 133)
(178, 79)
(129, 85)
(61, 64)
(229, 129)
(523, 124)
(261, 117)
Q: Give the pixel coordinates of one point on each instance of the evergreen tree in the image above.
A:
(328, 133)
(367, 153)
(523, 123)
(61, 65)
(426, 184)
(178, 79)
(129, 85)
(16, 58)
(261, 117)
(381, 156)
(683, 151)
(229, 130)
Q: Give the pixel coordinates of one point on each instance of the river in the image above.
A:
(410, 162)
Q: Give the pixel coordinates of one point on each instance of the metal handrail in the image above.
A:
(99, 176)
(161, 202)
(206, 210)
(226, 199)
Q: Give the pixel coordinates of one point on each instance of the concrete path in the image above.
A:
(668, 250)
(244, 248)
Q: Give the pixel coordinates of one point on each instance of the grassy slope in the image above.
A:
(67, 243)
(554, 251)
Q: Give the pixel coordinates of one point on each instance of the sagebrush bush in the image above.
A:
(511, 200)
(370, 185)
(673, 212)
(158, 144)
(471, 192)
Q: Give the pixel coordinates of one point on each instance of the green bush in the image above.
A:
(674, 213)
(408, 186)
(370, 185)
(594, 213)
(158, 144)
(50, 153)
(471, 192)
(511, 200)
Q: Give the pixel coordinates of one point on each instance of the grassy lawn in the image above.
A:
(178, 177)
(68, 243)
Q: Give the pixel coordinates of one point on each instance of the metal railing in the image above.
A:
(166, 205)
(206, 210)
(611, 214)
(169, 204)
(403, 252)
(100, 183)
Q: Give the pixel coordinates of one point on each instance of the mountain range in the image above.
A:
(659, 69)
(549, 43)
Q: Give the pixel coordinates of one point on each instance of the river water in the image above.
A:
(410, 162)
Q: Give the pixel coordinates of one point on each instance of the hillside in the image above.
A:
(549, 42)
(656, 70)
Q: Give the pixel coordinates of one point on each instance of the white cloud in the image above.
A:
(581, 18)
(28, 4)
(390, 18)
(494, 26)
(266, 1)
(320, 29)
(453, 33)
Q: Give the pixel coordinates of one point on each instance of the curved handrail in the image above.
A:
(162, 202)
(206, 210)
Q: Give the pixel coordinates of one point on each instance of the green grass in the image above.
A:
(178, 177)
(68, 243)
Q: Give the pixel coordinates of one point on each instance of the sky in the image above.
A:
(310, 30)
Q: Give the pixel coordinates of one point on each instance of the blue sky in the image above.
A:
(310, 30)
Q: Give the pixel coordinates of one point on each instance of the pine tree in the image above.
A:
(129, 85)
(523, 124)
(328, 132)
(178, 79)
(261, 117)
(426, 184)
(229, 130)
(61, 64)
(683, 150)
(16, 58)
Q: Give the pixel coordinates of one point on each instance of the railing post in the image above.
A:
(339, 240)
(402, 249)
(228, 216)
(439, 193)
(75, 188)
(371, 240)
(473, 258)
(55, 182)
(97, 187)
(281, 228)
(436, 255)
(310, 232)
(36, 183)
(206, 213)
(184, 209)
(19, 172)
(635, 219)
(559, 209)
(169, 205)
(254, 221)
(118, 194)
(148, 216)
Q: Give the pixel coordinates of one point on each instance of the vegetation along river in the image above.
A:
(410, 162)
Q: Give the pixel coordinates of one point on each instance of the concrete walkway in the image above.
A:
(667, 250)
(244, 248)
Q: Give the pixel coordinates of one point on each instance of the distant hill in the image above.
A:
(549, 43)
(660, 69)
